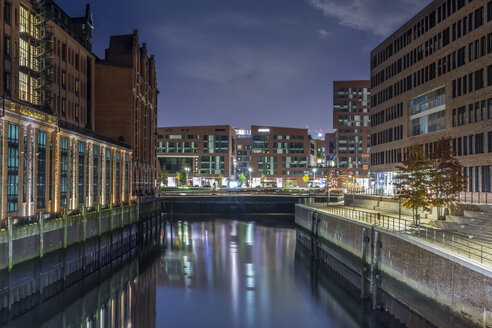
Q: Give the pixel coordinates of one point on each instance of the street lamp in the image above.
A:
(314, 176)
(187, 169)
(250, 176)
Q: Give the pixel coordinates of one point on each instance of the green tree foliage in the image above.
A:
(164, 175)
(182, 174)
(445, 179)
(263, 178)
(242, 178)
(285, 183)
(412, 180)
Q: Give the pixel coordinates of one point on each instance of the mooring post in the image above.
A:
(375, 270)
(111, 215)
(365, 241)
(65, 228)
(84, 224)
(41, 235)
(10, 228)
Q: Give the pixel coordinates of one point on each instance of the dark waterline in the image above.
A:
(216, 273)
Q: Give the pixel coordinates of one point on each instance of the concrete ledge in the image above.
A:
(458, 284)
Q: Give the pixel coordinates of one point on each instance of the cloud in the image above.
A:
(202, 51)
(380, 17)
(324, 33)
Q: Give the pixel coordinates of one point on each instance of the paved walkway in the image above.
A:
(466, 247)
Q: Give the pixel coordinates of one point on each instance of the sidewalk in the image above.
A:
(466, 247)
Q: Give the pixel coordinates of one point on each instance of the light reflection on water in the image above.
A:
(242, 276)
(219, 273)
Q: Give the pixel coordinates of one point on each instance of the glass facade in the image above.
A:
(428, 101)
(108, 176)
(260, 144)
(95, 176)
(216, 144)
(81, 166)
(429, 123)
(13, 168)
(435, 120)
(118, 175)
(212, 165)
(267, 165)
(41, 176)
(63, 171)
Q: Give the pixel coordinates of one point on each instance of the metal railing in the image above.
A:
(475, 197)
(463, 197)
(372, 191)
(470, 247)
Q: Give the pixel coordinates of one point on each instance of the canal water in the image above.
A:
(212, 273)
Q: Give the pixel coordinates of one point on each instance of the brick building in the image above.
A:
(126, 101)
(432, 78)
(49, 160)
(207, 152)
(243, 152)
(280, 153)
(351, 104)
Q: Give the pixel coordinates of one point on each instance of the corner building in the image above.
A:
(432, 79)
(126, 100)
(206, 151)
(51, 160)
(280, 153)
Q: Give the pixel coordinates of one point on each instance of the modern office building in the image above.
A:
(280, 153)
(126, 101)
(207, 152)
(49, 160)
(351, 106)
(432, 79)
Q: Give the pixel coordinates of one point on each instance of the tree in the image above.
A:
(445, 179)
(182, 175)
(263, 178)
(285, 184)
(412, 180)
(242, 178)
(305, 178)
(164, 176)
(220, 180)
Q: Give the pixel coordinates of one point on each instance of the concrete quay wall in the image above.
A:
(20, 244)
(427, 279)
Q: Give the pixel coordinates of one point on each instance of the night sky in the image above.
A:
(243, 62)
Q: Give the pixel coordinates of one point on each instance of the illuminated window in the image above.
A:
(13, 168)
(23, 78)
(23, 53)
(33, 91)
(95, 184)
(81, 171)
(24, 20)
(41, 176)
(63, 170)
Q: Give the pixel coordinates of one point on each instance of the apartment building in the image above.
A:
(351, 121)
(432, 79)
(207, 153)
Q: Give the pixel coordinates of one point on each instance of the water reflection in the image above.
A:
(234, 274)
(218, 273)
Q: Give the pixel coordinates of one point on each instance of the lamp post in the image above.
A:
(187, 169)
(250, 170)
